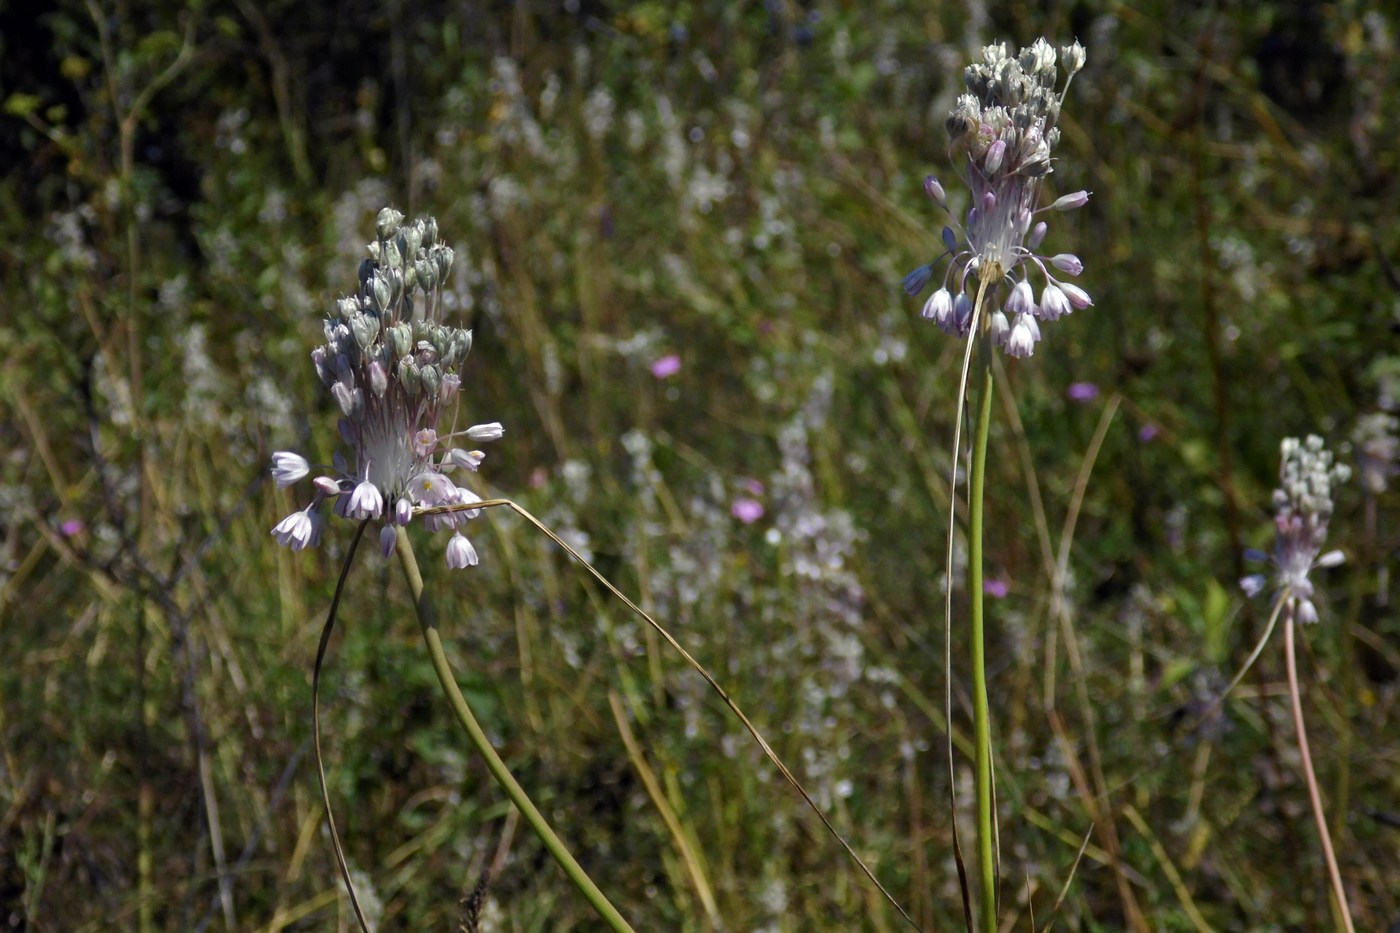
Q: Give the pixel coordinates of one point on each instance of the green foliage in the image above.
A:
(740, 185)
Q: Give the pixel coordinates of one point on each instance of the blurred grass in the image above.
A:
(740, 185)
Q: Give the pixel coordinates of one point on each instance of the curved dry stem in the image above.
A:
(1334, 873)
(699, 668)
(1069, 880)
(316, 724)
(1249, 662)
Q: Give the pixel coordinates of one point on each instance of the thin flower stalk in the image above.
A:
(1303, 509)
(987, 857)
(427, 622)
(1002, 134)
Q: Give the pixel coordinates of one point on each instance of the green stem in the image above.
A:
(428, 622)
(981, 715)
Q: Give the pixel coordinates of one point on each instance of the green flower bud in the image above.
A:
(401, 338)
(461, 344)
(432, 378)
(395, 285)
(365, 328)
(388, 223)
(443, 257)
(426, 272)
(408, 240)
(392, 256)
(409, 375)
(381, 294)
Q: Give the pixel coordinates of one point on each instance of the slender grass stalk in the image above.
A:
(1310, 777)
(709, 679)
(981, 714)
(462, 710)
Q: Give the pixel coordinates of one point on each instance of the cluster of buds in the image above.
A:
(1002, 133)
(392, 366)
(1302, 508)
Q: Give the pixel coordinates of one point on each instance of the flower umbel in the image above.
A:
(392, 366)
(1303, 507)
(1001, 136)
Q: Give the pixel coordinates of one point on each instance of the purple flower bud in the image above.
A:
(387, 539)
(378, 379)
(323, 366)
(997, 589)
(1148, 432)
(469, 459)
(403, 511)
(1076, 295)
(1069, 202)
(327, 485)
(935, 191)
(1037, 235)
(950, 240)
(486, 432)
(1067, 262)
(345, 398)
(450, 384)
(915, 281)
(989, 202)
(995, 153)
(962, 313)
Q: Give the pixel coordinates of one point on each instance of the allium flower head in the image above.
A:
(1302, 509)
(1002, 133)
(392, 365)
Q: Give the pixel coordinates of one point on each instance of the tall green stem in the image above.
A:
(427, 621)
(981, 715)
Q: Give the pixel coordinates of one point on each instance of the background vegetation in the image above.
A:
(187, 186)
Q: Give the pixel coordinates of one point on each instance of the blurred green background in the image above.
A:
(188, 186)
